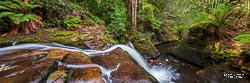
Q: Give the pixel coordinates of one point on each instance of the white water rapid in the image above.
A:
(162, 74)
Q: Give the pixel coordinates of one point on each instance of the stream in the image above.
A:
(167, 70)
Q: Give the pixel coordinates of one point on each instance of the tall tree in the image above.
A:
(133, 21)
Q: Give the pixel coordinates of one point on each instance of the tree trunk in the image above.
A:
(133, 21)
(248, 5)
(26, 0)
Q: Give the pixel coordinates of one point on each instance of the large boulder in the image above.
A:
(21, 66)
(146, 48)
(24, 66)
(91, 74)
(128, 71)
(188, 52)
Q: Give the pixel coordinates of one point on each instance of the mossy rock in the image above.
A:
(220, 52)
(64, 33)
(5, 42)
(31, 40)
(65, 40)
(128, 71)
(147, 48)
(58, 76)
(71, 38)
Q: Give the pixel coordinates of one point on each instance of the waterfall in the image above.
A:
(162, 74)
(129, 43)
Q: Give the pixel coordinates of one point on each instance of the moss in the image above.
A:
(5, 42)
(147, 48)
(173, 38)
(58, 75)
(180, 45)
(31, 40)
(65, 40)
(219, 50)
(64, 33)
(84, 56)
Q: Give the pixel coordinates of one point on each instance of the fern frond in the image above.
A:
(199, 23)
(5, 14)
(28, 17)
(16, 18)
(9, 4)
(4, 8)
(26, 5)
(14, 6)
(5, 3)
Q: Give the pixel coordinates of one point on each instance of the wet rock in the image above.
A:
(58, 76)
(146, 48)
(24, 66)
(127, 72)
(190, 53)
(57, 54)
(216, 74)
(245, 70)
(166, 35)
(90, 74)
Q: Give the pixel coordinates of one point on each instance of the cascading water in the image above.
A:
(129, 43)
(161, 73)
(105, 72)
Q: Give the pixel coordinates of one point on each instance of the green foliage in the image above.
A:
(73, 22)
(180, 28)
(147, 14)
(118, 23)
(142, 37)
(114, 16)
(217, 18)
(18, 11)
(96, 19)
(56, 11)
(244, 38)
(201, 17)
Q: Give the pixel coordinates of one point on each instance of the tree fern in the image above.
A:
(217, 18)
(18, 14)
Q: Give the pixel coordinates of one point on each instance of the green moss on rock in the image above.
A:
(64, 33)
(65, 40)
(219, 51)
(5, 42)
(31, 40)
(147, 48)
(71, 38)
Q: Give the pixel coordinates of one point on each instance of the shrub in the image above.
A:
(73, 22)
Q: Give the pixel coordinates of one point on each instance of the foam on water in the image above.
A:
(162, 74)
